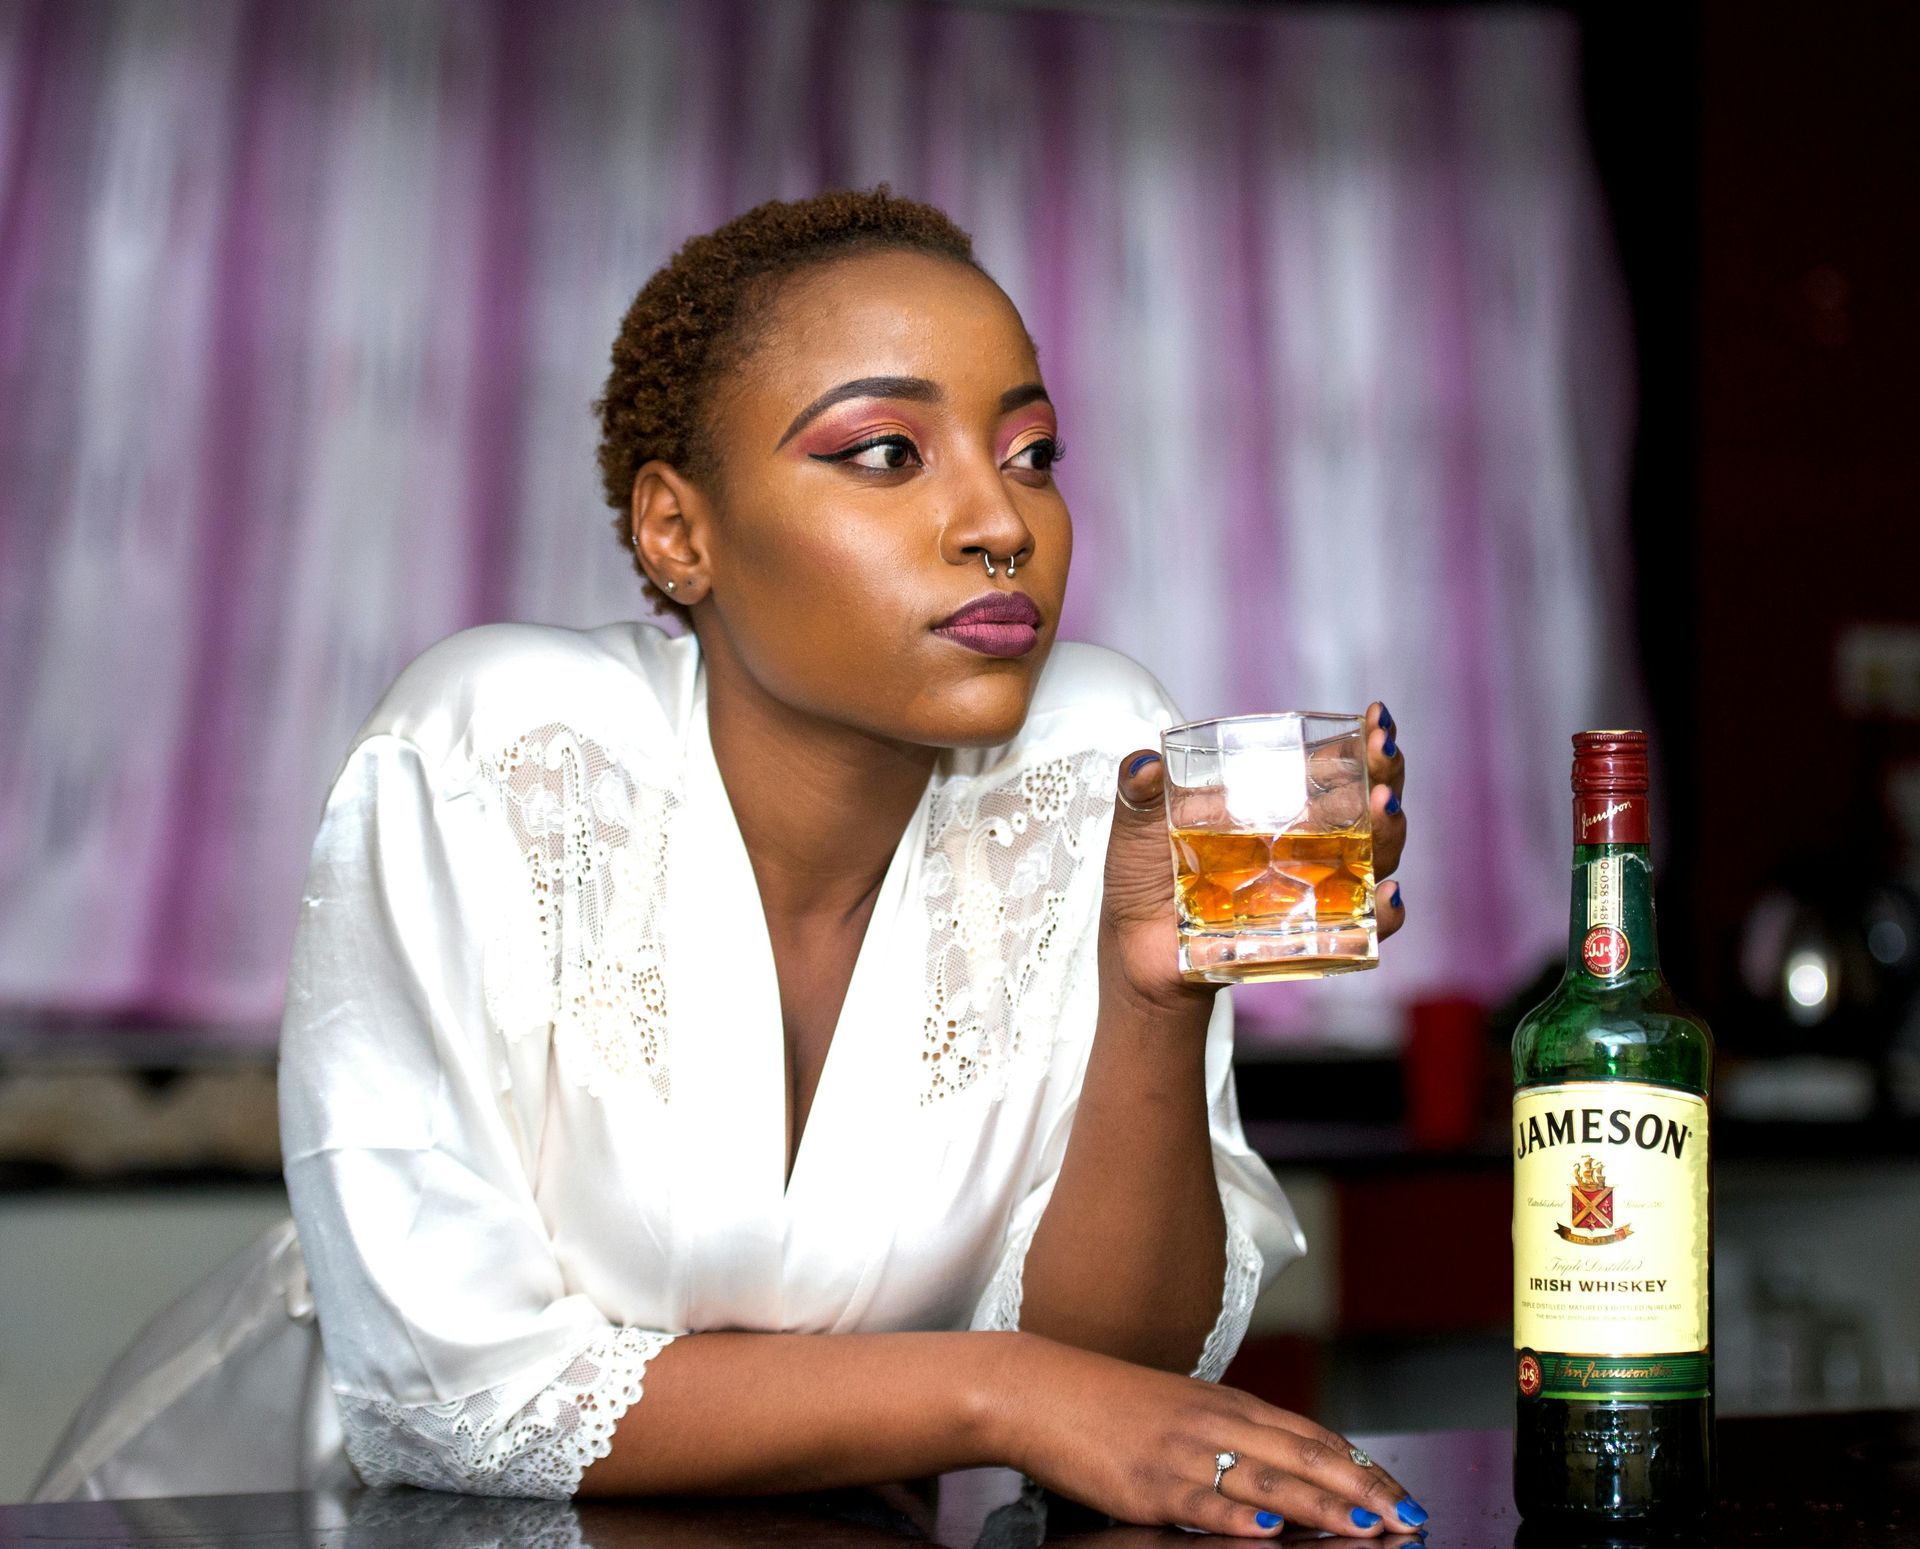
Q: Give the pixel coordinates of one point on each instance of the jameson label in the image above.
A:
(1610, 1240)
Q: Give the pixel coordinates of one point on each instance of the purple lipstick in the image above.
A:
(994, 624)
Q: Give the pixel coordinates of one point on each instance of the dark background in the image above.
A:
(1759, 160)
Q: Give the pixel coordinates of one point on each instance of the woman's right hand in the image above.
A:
(1140, 1445)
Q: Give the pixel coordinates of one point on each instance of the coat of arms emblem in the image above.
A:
(1592, 1199)
(1592, 1207)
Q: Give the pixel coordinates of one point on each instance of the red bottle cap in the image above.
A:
(1610, 784)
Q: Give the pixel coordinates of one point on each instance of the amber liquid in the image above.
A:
(1311, 886)
(1267, 879)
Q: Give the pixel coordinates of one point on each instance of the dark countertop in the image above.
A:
(1826, 1480)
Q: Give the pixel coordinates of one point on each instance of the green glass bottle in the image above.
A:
(1612, 1230)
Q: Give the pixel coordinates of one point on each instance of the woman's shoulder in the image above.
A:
(466, 697)
(1091, 694)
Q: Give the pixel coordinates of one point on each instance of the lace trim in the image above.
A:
(1237, 1296)
(1001, 865)
(469, 1445)
(999, 1307)
(580, 954)
(998, 1311)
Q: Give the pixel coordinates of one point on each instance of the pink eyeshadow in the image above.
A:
(1037, 418)
(832, 433)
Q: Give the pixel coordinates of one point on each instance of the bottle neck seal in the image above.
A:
(1612, 936)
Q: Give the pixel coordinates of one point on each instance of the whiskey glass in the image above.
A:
(1271, 825)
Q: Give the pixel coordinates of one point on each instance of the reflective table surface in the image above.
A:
(1816, 1480)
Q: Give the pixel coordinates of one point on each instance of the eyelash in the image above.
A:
(849, 453)
(1055, 451)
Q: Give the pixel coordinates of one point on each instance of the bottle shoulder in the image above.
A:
(1620, 1033)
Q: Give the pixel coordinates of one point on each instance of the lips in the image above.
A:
(994, 624)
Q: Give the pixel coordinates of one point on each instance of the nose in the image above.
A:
(986, 527)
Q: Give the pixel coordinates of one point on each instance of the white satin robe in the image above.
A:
(533, 1077)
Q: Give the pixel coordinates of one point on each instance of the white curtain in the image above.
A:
(303, 305)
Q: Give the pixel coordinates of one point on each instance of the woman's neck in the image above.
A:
(821, 806)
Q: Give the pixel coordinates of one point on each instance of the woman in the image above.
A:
(660, 1005)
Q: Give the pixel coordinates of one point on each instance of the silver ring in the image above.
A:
(1222, 1461)
(1360, 1458)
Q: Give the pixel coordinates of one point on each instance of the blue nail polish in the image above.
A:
(1396, 897)
(1141, 762)
(1267, 1519)
(1411, 1512)
(1390, 747)
(1386, 717)
(1393, 805)
(1364, 1518)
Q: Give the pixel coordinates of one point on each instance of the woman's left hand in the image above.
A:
(1138, 935)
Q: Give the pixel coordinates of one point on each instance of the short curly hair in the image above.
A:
(689, 322)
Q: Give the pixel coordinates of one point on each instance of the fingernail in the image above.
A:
(1267, 1519)
(1390, 747)
(1411, 1512)
(1396, 897)
(1393, 805)
(1141, 762)
(1364, 1518)
(1386, 717)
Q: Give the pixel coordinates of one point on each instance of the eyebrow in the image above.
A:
(1019, 397)
(916, 389)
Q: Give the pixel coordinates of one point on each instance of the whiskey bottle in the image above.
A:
(1612, 1234)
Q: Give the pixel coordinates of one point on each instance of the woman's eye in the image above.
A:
(1037, 456)
(883, 454)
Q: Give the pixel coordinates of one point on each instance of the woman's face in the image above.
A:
(885, 435)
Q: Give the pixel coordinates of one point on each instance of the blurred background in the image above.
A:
(1530, 367)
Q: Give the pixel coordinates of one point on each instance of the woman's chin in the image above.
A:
(984, 708)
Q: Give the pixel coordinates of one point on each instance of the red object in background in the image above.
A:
(1456, 1218)
(1283, 1369)
(1444, 1070)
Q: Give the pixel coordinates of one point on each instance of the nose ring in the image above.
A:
(987, 560)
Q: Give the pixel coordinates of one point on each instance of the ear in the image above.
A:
(669, 531)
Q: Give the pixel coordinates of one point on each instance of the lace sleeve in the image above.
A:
(999, 1307)
(477, 1446)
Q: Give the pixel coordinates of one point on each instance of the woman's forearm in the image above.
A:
(751, 1413)
(1130, 1257)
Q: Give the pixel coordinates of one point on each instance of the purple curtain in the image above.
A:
(302, 304)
